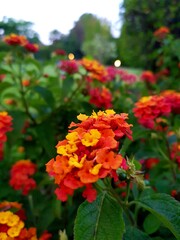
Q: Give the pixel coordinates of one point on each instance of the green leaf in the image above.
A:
(135, 234)
(165, 208)
(100, 220)
(46, 95)
(151, 224)
(67, 86)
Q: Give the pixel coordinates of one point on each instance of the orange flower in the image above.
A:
(14, 40)
(89, 152)
(95, 69)
(175, 152)
(149, 108)
(161, 33)
(20, 176)
(25, 82)
(45, 235)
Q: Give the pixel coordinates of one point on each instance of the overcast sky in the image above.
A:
(61, 15)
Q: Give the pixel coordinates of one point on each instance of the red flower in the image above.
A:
(151, 162)
(20, 176)
(148, 109)
(45, 235)
(148, 76)
(101, 97)
(15, 40)
(173, 98)
(31, 47)
(161, 33)
(69, 66)
(89, 152)
(60, 52)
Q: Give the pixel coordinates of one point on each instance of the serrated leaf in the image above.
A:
(151, 224)
(133, 233)
(46, 95)
(101, 219)
(165, 208)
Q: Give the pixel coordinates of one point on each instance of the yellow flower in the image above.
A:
(3, 236)
(4, 216)
(74, 161)
(82, 117)
(95, 169)
(67, 149)
(72, 137)
(13, 220)
(14, 231)
(91, 138)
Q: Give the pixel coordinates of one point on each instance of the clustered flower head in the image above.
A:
(89, 153)
(95, 69)
(5, 126)
(101, 97)
(161, 33)
(20, 40)
(69, 66)
(20, 176)
(173, 98)
(149, 108)
(12, 225)
(148, 77)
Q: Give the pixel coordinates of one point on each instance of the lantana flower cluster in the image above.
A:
(89, 153)
(20, 176)
(12, 224)
(148, 77)
(20, 40)
(5, 126)
(161, 33)
(149, 108)
(173, 98)
(101, 97)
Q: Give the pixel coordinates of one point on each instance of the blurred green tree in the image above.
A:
(140, 20)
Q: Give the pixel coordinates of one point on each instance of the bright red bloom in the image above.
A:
(148, 76)
(15, 40)
(68, 66)
(20, 176)
(173, 98)
(151, 162)
(31, 47)
(148, 109)
(89, 152)
(101, 97)
(161, 33)
(60, 52)
(45, 236)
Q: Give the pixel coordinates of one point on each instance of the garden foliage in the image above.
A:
(88, 152)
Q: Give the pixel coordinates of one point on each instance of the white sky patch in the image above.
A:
(60, 15)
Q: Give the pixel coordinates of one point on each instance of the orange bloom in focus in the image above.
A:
(89, 152)
(173, 98)
(101, 97)
(15, 40)
(148, 76)
(161, 33)
(95, 69)
(20, 176)
(148, 109)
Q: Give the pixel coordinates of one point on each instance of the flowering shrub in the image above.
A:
(89, 151)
